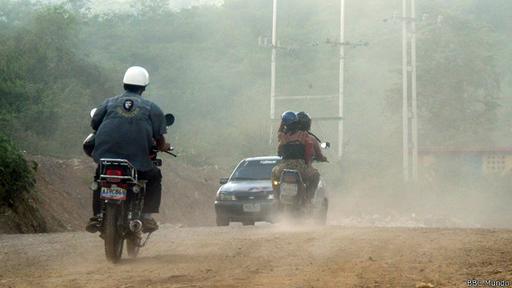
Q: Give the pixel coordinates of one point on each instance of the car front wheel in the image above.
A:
(222, 220)
(248, 223)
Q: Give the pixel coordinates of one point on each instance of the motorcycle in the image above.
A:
(290, 193)
(122, 199)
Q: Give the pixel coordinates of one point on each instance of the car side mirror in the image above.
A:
(169, 119)
(223, 181)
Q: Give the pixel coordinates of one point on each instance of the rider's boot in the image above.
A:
(93, 225)
(149, 224)
(311, 187)
(306, 202)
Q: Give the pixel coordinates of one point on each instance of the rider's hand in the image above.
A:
(166, 147)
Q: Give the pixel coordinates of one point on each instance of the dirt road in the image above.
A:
(264, 256)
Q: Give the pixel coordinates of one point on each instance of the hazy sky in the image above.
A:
(102, 5)
(119, 5)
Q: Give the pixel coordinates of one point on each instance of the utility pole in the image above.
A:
(409, 109)
(405, 104)
(340, 95)
(273, 70)
(341, 78)
(414, 102)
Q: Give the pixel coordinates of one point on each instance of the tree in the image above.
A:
(45, 84)
(458, 80)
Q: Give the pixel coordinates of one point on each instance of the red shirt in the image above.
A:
(312, 146)
(302, 137)
(317, 151)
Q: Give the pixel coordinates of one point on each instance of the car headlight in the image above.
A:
(226, 197)
(276, 183)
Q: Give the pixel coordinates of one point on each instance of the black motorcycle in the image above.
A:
(290, 193)
(122, 199)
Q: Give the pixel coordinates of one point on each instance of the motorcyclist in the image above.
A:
(127, 127)
(313, 153)
(305, 125)
(293, 144)
(288, 122)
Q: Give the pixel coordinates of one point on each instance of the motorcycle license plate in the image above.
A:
(289, 190)
(113, 193)
(252, 207)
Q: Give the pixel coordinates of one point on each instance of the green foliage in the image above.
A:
(16, 177)
(459, 84)
(207, 68)
(459, 80)
(45, 83)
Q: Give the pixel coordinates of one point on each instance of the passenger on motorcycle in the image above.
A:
(127, 127)
(313, 153)
(293, 146)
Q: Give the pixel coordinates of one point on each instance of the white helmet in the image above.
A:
(136, 75)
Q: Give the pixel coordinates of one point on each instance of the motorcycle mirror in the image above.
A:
(169, 119)
(325, 145)
(93, 110)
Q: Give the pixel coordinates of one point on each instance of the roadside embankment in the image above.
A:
(61, 198)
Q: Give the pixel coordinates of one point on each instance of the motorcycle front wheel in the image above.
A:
(112, 235)
(133, 246)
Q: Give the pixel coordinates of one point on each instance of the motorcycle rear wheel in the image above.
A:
(112, 235)
(290, 213)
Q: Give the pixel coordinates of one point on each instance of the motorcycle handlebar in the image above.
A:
(170, 153)
(155, 151)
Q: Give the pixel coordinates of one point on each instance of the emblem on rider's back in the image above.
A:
(128, 105)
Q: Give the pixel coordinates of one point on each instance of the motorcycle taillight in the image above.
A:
(123, 185)
(113, 172)
(108, 184)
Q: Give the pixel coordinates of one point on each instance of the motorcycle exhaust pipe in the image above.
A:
(136, 226)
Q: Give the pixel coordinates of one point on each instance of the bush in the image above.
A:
(16, 177)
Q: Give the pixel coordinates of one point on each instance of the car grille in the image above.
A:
(251, 196)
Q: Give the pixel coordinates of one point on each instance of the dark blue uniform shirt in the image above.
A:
(126, 127)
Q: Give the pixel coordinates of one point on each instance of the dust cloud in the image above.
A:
(464, 201)
(464, 155)
(208, 68)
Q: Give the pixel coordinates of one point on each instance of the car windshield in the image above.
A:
(254, 170)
